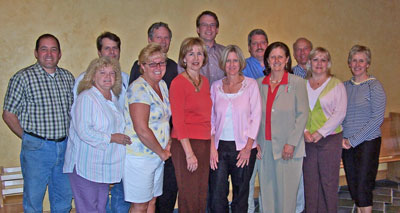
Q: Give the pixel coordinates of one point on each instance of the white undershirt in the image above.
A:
(227, 133)
(314, 94)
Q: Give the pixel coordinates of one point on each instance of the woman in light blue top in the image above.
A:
(96, 145)
(147, 114)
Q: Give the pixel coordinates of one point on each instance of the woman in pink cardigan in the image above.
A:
(235, 119)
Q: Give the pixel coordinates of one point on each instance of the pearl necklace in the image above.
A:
(275, 82)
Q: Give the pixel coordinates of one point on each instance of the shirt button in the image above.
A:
(272, 110)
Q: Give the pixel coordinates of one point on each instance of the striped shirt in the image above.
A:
(365, 111)
(89, 150)
(41, 101)
(299, 71)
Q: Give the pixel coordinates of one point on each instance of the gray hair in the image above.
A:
(156, 26)
(256, 32)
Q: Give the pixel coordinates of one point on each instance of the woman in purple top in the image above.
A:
(235, 119)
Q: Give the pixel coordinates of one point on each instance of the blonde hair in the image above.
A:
(148, 51)
(224, 57)
(187, 46)
(313, 53)
(94, 66)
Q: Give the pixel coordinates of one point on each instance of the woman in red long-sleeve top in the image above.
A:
(191, 117)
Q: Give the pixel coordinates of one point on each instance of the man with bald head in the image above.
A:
(301, 49)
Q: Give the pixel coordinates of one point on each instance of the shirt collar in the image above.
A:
(43, 71)
(358, 83)
(285, 79)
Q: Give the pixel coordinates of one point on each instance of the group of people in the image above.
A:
(187, 127)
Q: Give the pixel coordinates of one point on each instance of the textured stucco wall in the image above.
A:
(336, 25)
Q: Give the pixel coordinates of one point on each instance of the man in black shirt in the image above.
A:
(159, 33)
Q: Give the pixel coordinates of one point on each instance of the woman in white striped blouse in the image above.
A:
(361, 128)
(96, 148)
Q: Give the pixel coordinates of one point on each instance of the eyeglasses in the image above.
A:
(154, 64)
(205, 25)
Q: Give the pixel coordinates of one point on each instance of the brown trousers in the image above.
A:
(321, 174)
(192, 186)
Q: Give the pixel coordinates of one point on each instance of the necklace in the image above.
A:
(316, 83)
(275, 82)
(193, 82)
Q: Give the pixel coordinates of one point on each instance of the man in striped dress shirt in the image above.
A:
(36, 108)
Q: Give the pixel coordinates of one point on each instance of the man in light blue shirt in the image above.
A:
(108, 44)
(301, 49)
(258, 43)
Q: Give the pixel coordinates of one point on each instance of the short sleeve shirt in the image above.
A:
(160, 112)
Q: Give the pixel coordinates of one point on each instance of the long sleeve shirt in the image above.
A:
(330, 109)
(121, 97)
(246, 112)
(365, 111)
(191, 111)
(89, 149)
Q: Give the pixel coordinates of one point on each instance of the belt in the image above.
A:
(48, 139)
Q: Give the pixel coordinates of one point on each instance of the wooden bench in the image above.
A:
(12, 184)
(389, 158)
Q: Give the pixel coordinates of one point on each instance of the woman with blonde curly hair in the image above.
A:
(96, 145)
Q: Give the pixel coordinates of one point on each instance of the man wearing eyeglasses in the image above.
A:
(207, 25)
(109, 45)
(160, 33)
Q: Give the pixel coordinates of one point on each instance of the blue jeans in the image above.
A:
(42, 164)
(118, 203)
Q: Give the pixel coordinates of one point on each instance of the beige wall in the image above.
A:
(336, 25)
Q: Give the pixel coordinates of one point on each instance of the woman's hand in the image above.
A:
(120, 139)
(287, 152)
(243, 157)
(307, 137)
(346, 143)
(213, 158)
(316, 136)
(165, 155)
(259, 152)
(191, 161)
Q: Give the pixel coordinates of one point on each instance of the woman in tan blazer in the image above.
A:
(284, 115)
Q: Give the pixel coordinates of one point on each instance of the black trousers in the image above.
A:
(166, 202)
(361, 166)
(219, 185)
